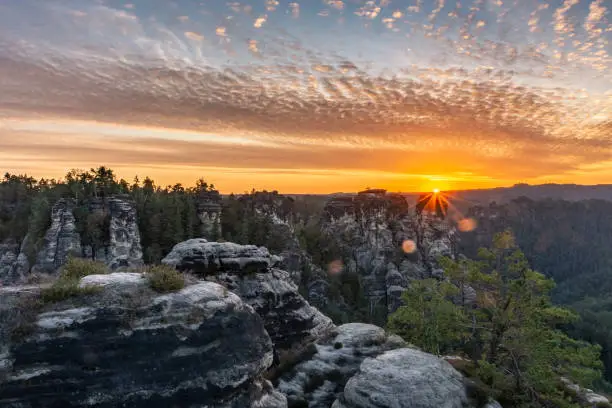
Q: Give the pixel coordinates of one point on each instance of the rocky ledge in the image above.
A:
(126, 346)
(318, 380)
(247, 270)
(206, 258)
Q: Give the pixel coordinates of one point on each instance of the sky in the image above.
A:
(312, 96)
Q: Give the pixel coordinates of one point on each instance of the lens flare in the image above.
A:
(409, 246)
(335, 267)
(467, 224)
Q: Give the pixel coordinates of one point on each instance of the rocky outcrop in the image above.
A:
(404, 378)
(290, 321)
(386, 244)
(206, 258)
(128, 346)
(584, 396)
(247, 270)
(319, 380)
(118, 219)
(14, 263)
(208, 207)
(61, 239)
(124, 249)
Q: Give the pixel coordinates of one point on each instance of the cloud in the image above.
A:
(194, 36)
(259, 22)
(473, 94)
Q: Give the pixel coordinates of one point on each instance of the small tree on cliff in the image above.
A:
(429, 318)
(510, 331)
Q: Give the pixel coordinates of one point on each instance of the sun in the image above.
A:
(436, 190)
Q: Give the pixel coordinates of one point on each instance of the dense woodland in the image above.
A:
(167, 215)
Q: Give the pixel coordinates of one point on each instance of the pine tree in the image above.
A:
(510, 331)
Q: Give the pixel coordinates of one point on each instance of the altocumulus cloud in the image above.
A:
(486, 94)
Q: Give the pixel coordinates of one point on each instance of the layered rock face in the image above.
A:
(208, 209)
(14, 264)
(206, 258)
(124, 248)
(386, 243)
(319, 380)
(127, 346)
(61, 240)
(247, 270)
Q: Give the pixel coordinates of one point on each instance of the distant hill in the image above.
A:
(463, 199)
(569, 192)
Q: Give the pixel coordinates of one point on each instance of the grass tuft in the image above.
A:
(163, 278)
(67, 285)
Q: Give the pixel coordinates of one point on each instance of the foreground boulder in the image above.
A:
(404, 378)
(246, 270)
(318, 380)
(126, 346)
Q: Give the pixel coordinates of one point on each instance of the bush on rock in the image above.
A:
(163, 278)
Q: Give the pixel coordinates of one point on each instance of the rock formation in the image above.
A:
(247, 270)
(61, 240)
(124, 249)
(209, 258)
(211, 343)
(404, 378)
(127, 346)
(208, 207)
(584, 396)
(14, 264)
(8, 256)
(317, 381)
(386, 243)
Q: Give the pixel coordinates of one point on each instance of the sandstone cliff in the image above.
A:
(14, 264)
(248, 271)
(62, 239)
(386, 243)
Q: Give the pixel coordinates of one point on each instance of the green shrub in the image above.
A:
(65, 289)
(76, 268)
(163, 278)
(67, 285)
